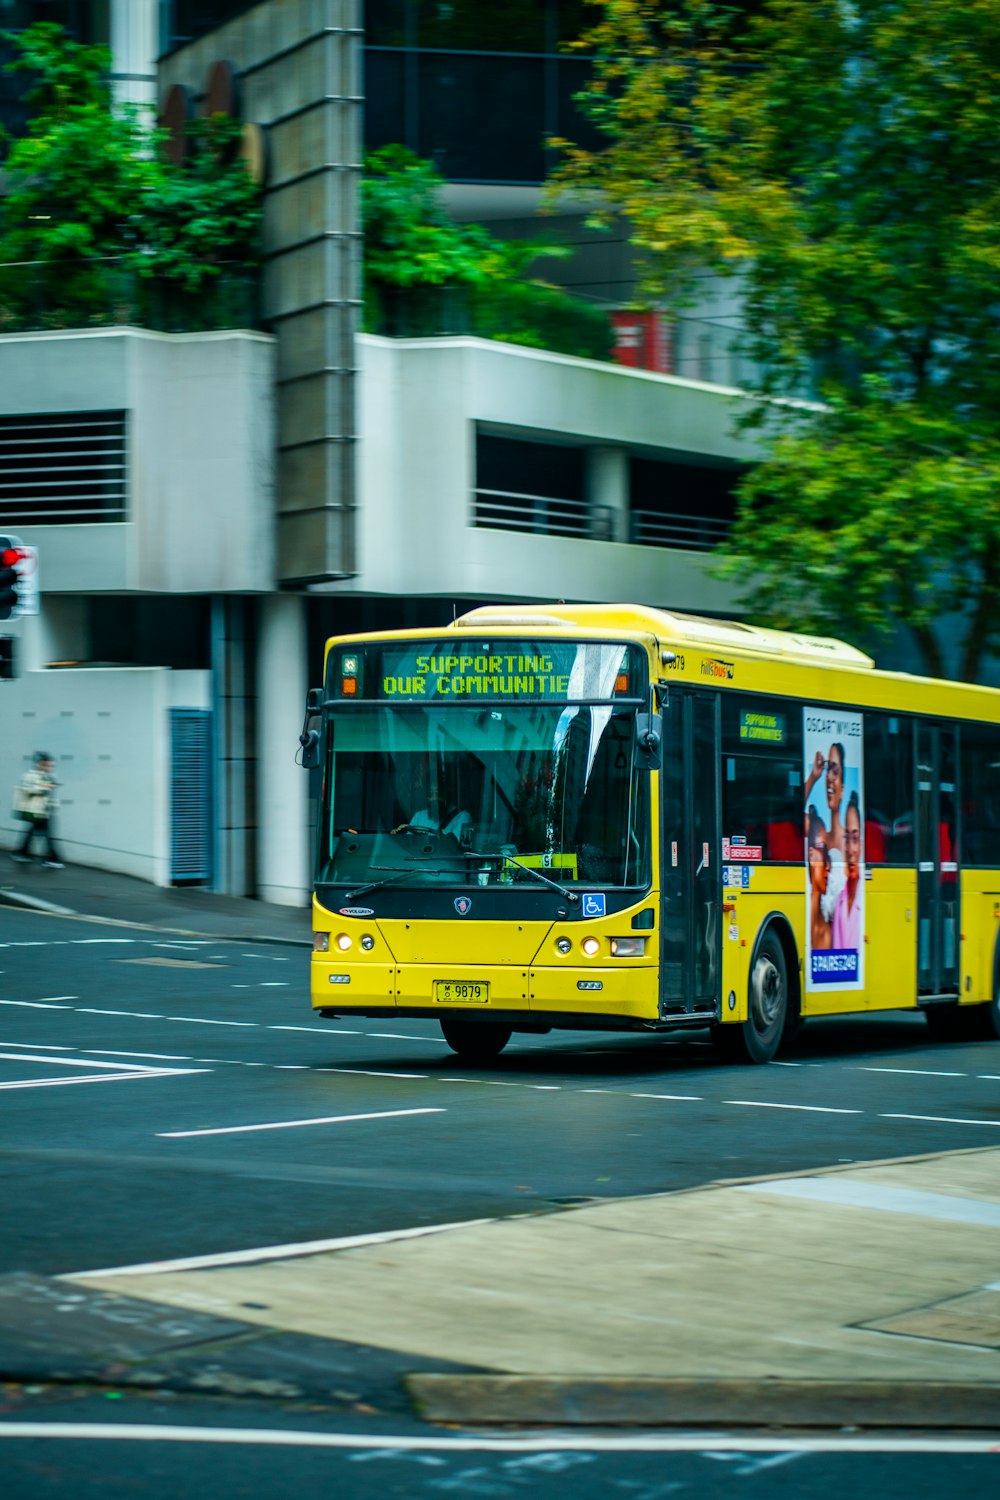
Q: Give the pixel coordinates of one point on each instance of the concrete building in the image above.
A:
(208, 507)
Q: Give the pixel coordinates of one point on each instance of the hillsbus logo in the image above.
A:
(722, 671)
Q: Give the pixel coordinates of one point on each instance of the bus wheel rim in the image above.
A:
(767, 993)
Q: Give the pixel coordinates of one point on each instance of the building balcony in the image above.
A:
(490, 470)
(137, 460)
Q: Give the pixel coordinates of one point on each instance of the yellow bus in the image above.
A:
(619, 818)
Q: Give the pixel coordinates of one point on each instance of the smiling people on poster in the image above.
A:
(831, 767)
(832, 749)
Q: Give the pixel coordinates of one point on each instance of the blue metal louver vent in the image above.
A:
(190, 794)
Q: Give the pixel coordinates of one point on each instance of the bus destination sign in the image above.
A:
(463, 672)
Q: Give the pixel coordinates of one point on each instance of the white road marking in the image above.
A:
(92, 1010)
(320, 1030)
(152, 1056)
(201, 1021)
(92, 942)
(273, 984)
(814, 1109)
(691, 1098)
(390, 1443)
(61, 1083)
(372, 1073)
(47, 1046)
(65, 1062)
(381, 1114)
(917, 1072)
(886, 1199)
(275, 1252)
(40, 1004)
(942, 1120)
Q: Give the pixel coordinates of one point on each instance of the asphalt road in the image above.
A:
(168, 1098)
(81, 1446)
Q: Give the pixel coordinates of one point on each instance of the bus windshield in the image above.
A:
(482, 794)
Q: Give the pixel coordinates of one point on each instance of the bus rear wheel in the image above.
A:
(476, 1041)
(758, 1038)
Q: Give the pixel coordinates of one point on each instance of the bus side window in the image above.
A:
(888, 833)
(980, 794)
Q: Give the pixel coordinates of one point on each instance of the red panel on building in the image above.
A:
(644, 341)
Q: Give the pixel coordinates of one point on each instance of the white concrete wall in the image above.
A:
(109, 734)
(285, 839)
(419, 402)
(200, 438)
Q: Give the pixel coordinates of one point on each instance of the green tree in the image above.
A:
(838, 158)
(91, 202)
(422, 269)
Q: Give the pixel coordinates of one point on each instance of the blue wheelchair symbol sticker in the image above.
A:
(593, 904)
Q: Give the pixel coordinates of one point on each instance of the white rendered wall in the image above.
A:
(108, 731)
(284, 838)
(200, 441)
(419, 403)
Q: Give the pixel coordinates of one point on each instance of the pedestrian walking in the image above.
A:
(35, 802)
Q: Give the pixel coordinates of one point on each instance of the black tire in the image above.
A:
(758, 1038)
(475, 1041)
(947, 1021)
(968, 1023)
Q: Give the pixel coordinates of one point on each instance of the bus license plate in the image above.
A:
(462, 991)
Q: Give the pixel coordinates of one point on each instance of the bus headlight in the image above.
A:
(321, 942)
(368, 942)
(628, 947)
(344, 941)
(564, 945)
(590, 946)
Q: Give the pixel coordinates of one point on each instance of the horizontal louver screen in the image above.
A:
(63, 467)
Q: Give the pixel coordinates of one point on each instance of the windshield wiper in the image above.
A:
(376, 885)
(508, 859)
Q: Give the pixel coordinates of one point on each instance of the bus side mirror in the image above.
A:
(648, 740)
(310, 737)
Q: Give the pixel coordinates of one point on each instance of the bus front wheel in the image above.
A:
(476, 1041)
(758, 1038)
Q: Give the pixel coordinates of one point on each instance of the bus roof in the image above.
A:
(669, 627)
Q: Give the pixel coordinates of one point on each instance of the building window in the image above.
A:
(525, 486)
(63, 467)
(684, 505)
(438, 78)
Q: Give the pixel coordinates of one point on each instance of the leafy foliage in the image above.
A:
(91, 202)
(838, 158)
(424, 273)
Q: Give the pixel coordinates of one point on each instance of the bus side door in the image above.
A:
(690, 850)
(938, 885)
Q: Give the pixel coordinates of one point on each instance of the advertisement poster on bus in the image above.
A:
(832, 743)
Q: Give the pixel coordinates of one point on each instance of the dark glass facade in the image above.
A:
(475, 87)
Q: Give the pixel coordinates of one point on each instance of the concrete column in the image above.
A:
(135, 46)
(284, 837)
(606, 489)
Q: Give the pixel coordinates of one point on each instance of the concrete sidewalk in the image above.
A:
(858, 1295)
(191, 910)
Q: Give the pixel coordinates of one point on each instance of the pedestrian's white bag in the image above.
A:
(22, 804)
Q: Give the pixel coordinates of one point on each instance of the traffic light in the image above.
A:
(9, 558)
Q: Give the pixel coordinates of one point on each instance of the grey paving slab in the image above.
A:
(719, 1283)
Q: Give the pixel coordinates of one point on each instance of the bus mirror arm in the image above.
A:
(310, 737)
(648, 735)
(661, 692)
